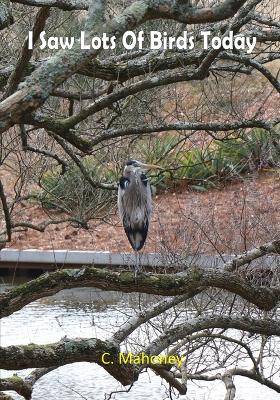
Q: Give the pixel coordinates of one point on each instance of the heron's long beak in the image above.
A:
(149, 166)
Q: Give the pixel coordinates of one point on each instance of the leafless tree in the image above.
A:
(75, 115)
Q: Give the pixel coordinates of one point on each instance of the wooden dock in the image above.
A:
(49, 260)
(53, 259)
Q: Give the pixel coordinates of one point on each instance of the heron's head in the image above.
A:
(134, 166)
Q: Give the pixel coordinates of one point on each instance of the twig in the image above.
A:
(6, 212)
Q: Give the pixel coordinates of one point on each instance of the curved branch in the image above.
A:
(41, 227)
(231, 340)
(237, 371)
(170, 285)
(247, 61)
(4, 396)
(256, 377)
(134, 322)
(107, 100)
(18, 385)
(6, 17)
(170, 378)
(26, 54)
(252, 325)
(37, 88)
(250, 255)
(186, 126)
(66, 5)
(65, 352)
(80, 165)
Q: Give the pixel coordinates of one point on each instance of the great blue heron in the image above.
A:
(135, 202)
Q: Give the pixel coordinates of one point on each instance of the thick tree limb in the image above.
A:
(166, 285)
(18, 385)
(256, 377)
(122, 71)
(6, 17)
(4, 396)
(182, 126)
(57, 126)
(91, 350)
(170, 378)
(250, 255)
(230, 387)
(266, 20)
(116, 69)
(260, 326)
(37, 88)
(186, 13)
(65, 352)
(26, 54)
(66, 5)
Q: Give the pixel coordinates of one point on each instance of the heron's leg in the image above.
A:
(136, 266)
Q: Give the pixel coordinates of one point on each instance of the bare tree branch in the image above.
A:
(253, 63)
(4, 396)
(68, 351)
(267, 248)
(29, 97)
(80, 165)
(6, 212)
(170, 378)
(6, 17)
(144, 316)
(66, 5)
(171, 285)
(260, 326)
(186, 126)
(237, 371)
(26, 54)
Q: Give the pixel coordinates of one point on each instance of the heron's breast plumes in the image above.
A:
(134, 203)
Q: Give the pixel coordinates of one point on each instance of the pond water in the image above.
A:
(87, 312)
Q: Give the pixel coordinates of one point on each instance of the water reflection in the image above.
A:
(87, 312)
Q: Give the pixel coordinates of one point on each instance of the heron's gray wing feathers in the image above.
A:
(135, 206)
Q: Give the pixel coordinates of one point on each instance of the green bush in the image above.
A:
(225, 160)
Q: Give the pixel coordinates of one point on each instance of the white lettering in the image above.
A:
(84, 46)
(205, 35)
(140, 40)
(42, 38)
(155, 39)
(66, 43)
(30, 40)
(250, 44)
(129, 36)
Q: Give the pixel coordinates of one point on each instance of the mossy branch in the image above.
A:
(193, 278)
(65, 352)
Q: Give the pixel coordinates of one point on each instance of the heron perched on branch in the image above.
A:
(135, 202)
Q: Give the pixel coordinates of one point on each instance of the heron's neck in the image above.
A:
(134, 178)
